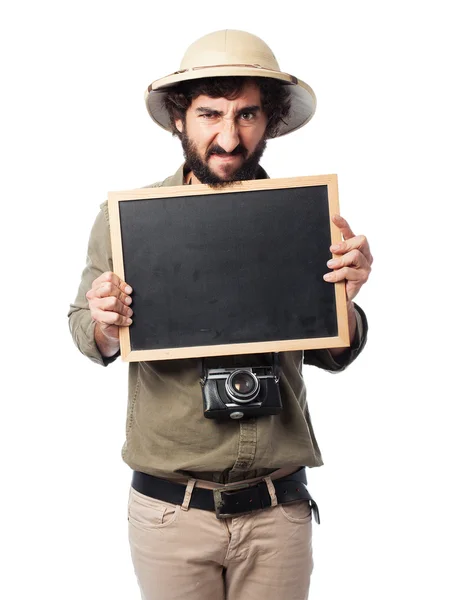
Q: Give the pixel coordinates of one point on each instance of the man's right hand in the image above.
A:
(109, 302)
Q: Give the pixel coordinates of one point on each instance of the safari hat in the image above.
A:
(231, 53)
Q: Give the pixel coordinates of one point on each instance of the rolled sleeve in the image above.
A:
(99, 260)
(324, 359)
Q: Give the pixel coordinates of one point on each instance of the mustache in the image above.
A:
(216, 149)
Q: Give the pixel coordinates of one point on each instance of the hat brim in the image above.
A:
(303, 99)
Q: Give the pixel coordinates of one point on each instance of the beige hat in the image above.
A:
(231, 53)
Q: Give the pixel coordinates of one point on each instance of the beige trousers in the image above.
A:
(186, 553)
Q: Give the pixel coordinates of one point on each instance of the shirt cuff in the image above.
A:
(87, 345)
(325, 360)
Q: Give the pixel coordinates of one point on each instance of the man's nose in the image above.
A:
(228, 138)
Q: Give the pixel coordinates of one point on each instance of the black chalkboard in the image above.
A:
(215, 269)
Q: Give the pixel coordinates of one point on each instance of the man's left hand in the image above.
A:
(355, 260)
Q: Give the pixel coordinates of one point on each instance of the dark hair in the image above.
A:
(275, 97)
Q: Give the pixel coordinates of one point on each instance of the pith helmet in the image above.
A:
(231, 53)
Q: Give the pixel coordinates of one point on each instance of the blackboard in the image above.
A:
(232, 271)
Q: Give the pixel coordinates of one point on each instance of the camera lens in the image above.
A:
(243, 383)
(242, 386)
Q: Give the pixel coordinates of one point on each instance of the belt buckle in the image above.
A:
(218, 500)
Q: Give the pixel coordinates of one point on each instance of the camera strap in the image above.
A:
(276, 366)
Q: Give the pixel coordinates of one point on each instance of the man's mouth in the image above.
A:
(219, 153)
(226, 157)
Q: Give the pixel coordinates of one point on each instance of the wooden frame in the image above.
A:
(129, 354)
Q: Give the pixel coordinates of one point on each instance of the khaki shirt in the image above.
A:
(167, 434)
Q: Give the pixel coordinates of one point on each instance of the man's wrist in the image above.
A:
(107, 345)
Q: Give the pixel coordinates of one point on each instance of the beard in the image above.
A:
(200, 167)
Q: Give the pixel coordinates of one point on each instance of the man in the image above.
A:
(227, 99)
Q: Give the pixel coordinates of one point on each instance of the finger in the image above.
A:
(110, 277)
(354, 258)
(345, 273)
(107, 289)
(358, 242)
(343, 226)
(113, 304)
(107, 317)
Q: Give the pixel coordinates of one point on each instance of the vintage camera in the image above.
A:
(237, 392)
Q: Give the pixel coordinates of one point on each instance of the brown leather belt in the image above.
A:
(231, 500)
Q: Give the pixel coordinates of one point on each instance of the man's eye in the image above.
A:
(247, 116)
(208, 115)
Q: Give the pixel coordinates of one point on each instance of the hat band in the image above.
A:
(292, 78)
(254, 65)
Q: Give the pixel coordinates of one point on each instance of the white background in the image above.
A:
(392, 122)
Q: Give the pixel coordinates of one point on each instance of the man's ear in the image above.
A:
(179, 125)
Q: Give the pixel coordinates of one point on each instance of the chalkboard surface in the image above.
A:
(211, 271)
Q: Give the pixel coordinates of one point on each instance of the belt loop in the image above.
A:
(271, 490)
(187, 494)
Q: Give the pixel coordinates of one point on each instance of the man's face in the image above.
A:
(223, 140)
